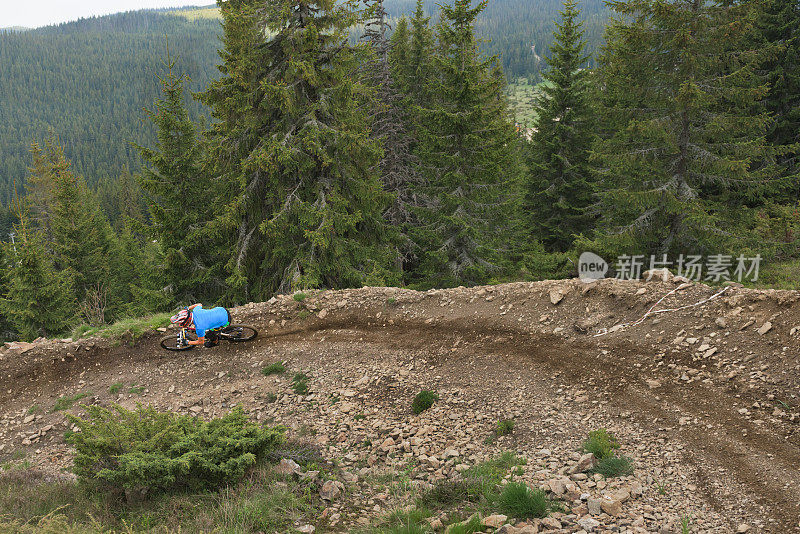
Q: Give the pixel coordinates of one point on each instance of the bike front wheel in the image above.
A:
(239, 332)
(173, 342)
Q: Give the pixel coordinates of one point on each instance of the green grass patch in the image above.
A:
(521, 502)
(115, 388)
(601, 443)
(136, 390)
(34, 409)
(130, 328)
(270, 397)
(614, 466)
(276, 368)
(470, 526)
(423, 400)
(492, 471)
(303, 314)
(66, 402)
(300, 296)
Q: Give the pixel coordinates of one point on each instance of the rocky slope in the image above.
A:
(703, 399)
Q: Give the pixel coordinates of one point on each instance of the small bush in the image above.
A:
(601, 443)
(115, 388)
(65, 403)
(504, 427)
(300, 296)
(300, 383)
(273, 369)
(519, 501)
(303, 314)
(423, 401)
(614, 466)
(145, 451)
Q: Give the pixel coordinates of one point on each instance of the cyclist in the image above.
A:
(207, 323)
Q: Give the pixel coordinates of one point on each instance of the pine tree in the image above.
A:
(467, 149)
(178, 194)
(305, 203)
(398, 166)
(777, 28)
(680, 97)
(559, 189)
(76, 230)
(38, 300)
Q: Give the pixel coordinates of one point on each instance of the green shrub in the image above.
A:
(504, 427)
(145, 451)
(273, 369)
(423, 401)
(601, 443)
(519, 501)
(614, 466)
(115, 388)
(300, 296)
(300, 383)
(303, 314)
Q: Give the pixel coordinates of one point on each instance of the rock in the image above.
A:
(653, 384)
(322, 314)
(436, 523)
(287, 467)
(556, 296)
(557, 486)
(742, 528)
(586, 462)
(766, 327)
(721, 322)
(387, 444)
(28, 419)
(494, 521)
(611, 507)
(588, 523)
(331, 489)
(594, 506)
(658, 274)
(551, 522)
(306, 529)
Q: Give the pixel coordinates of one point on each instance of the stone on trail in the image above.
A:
(588, 523)
(556, 295)
(766, 327)
(494, 521)
(331, 490)
(287, 466)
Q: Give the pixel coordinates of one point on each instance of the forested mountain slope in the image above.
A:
(88, 81)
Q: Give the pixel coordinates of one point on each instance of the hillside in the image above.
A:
(703, 400)
(88, 81)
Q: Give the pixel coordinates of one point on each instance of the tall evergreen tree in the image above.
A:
(467, 146)
(305, 204)
(680, 95)
(39, 298)
(398, 166)
(178, 195)
(777, 27)
(77, 231)
(559, 189)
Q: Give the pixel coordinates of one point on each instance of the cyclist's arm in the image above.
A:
(193, 306)
(198, 341)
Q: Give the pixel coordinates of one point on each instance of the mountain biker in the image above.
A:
(206, 322)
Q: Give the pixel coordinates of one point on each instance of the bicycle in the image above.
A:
(234, 333)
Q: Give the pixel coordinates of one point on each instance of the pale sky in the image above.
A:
(35, 13)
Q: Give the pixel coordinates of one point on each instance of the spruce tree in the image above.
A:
(179, 196)
(467, 146)
(777, 29)
(39, 298)
(679, 95)
(397, 166)
(76, 230)
(559, 187)
(304, 205)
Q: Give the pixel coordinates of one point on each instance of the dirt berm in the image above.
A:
(703, 399)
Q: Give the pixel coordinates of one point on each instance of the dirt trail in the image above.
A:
(706, 398)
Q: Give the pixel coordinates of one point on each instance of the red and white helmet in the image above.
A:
(182, 318)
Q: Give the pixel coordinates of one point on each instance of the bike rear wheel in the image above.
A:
(171, 342)
(238, 332)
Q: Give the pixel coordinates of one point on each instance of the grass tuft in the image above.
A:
(300, 383)
(423, 401)
(273, 369)
(300, 296)
(132, 327)
(66, 402)
(504, 427)
(115, 388)
(519, 501)
(601, 443)
(614, 466)
(467, 527)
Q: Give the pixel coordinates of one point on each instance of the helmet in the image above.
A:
(182, 318)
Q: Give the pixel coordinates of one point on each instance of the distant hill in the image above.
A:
(89, 80)
(14, 29)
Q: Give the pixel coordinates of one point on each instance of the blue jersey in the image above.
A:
(205, 320)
